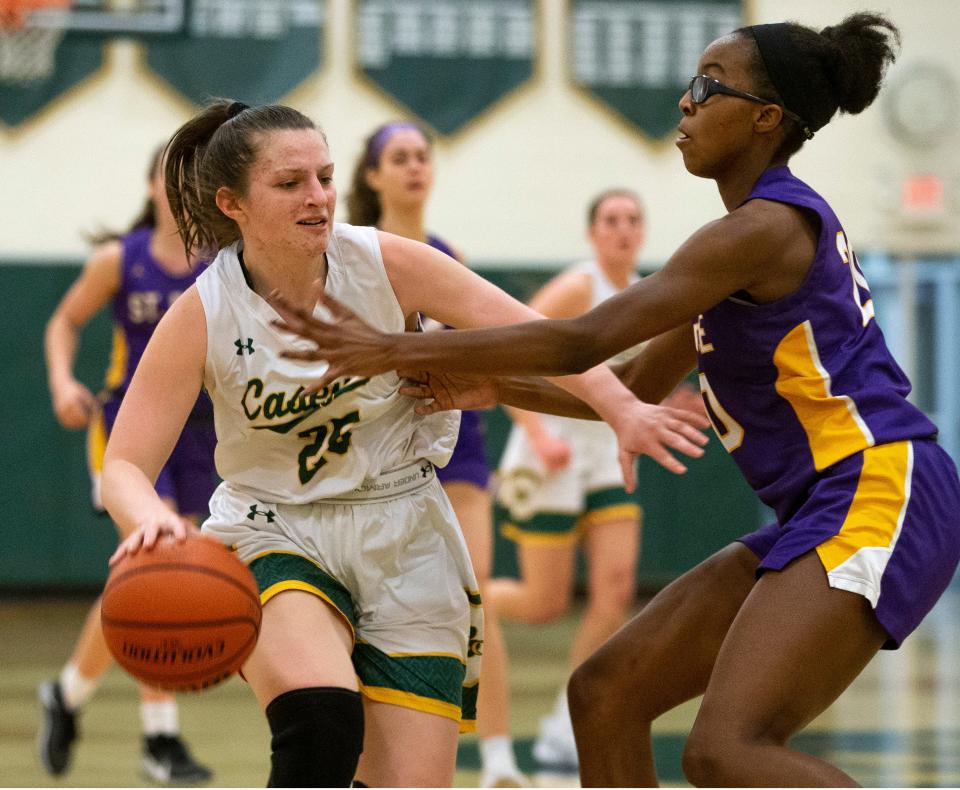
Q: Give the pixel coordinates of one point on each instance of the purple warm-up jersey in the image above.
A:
(468, 464)
(146, 292)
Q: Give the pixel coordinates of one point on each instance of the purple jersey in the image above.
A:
(794, 386)
(146, 292)
(468, 464)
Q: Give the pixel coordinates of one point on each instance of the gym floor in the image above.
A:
(898, 725)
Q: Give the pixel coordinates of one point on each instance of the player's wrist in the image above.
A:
(616, 410)
(60, 383)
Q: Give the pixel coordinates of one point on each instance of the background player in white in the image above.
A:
(561, 483)
(139, 272)
(330, 495)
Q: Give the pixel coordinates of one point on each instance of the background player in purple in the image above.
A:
(139, 273)
(392, 180)
(802, 392)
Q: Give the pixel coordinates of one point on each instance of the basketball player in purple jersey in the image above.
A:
(804, 395)
(391, 184)
(140, 274)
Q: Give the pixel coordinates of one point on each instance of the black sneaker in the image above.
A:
(167, 761)
(58, 730)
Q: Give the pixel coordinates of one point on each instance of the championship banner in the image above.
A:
(446, 60)
(252, 50)
(40, 60)
(637, 56)
(255, 51)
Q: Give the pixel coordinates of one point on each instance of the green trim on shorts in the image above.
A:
(431, 677)
(606, 497)
(469, 704)
(279, 567)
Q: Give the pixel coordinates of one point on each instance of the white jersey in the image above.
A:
(273, 441)
(522, 475)
(603, 289)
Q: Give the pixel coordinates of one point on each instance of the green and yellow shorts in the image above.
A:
(396, 570)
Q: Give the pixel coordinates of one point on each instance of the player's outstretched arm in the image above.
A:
(428, 282)
(651, 376)
(723, 257)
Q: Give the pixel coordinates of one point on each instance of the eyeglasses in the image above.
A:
(703, 87)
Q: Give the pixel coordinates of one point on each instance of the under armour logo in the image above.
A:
(425, 470)
(244, 347)
(252, 515)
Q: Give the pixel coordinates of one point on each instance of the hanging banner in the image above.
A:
(637, 56)
(252, 50)
(255, 51)
(446, 60)
(40, 61)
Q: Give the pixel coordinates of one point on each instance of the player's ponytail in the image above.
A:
(813, 74)
(216, 148)
(861, 49)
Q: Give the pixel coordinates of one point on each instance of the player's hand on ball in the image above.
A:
(151, 528)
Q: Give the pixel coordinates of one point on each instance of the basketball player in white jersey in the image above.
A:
(563, 489)
(367, 659)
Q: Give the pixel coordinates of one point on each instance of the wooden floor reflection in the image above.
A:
(898, 724)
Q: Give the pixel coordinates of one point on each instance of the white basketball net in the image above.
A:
(27, 54)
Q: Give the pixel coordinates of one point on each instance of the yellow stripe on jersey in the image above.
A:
(96, 443)
(119, 353)
(834, 427)
(876, 511)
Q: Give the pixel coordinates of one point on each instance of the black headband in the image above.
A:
(808, 94)
(236, 108)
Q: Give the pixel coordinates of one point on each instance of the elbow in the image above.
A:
(54, 323)
(106, 484)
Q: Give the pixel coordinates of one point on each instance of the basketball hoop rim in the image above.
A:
(14, 14)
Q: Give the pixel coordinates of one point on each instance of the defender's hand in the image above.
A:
(444, 391)
(349, 346)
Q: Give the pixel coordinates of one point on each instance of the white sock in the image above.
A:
(496, 753)
(561, 707)
(159, 718)
(75, 688)
(562, 726)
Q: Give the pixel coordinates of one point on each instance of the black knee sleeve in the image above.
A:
(317, 737)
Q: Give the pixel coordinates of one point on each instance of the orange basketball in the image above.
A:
(181, 616)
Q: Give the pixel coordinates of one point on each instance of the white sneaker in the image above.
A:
(498, 777)
(555, 745)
